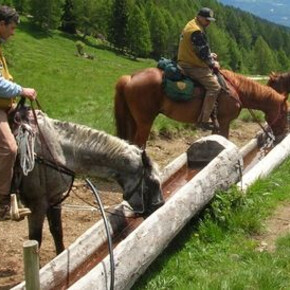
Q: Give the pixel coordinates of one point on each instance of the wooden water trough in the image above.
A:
(217, 164)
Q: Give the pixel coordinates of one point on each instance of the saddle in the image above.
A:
(180, 88)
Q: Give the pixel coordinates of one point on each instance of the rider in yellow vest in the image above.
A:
(8, 92)
(198, 62)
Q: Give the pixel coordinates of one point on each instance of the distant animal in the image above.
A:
(88, 152)
(139, 98)
(280, 82)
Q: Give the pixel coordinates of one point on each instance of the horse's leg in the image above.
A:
(142, 134)
(224, 128)
(35, 224)
(131, 128)
(55, 227)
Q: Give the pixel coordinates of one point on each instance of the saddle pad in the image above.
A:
(179, 91)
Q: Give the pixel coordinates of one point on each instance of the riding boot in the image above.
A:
(5, 207)
(206, 111)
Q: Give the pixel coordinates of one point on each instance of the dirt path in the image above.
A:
(77, 217)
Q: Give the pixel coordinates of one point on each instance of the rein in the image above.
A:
(61, 169)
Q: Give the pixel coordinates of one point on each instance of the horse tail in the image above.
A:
(123, 117)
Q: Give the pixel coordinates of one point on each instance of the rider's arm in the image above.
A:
(9, 89)
(201, 47)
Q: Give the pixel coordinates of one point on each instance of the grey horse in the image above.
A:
(84, 151)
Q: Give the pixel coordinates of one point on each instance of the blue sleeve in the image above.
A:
(9, 89)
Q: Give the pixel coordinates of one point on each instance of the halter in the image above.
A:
(131, 192)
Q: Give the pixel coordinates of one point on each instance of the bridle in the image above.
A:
(140, 183)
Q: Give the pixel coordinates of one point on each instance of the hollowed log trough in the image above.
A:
(222, 161)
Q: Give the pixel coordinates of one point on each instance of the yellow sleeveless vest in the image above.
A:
(186, 53)
(4, 72)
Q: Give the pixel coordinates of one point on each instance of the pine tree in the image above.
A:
(283, 60)
(86, 15)
(138, 34)
(264, 58)
(47, 13)
(173, 34)
(68, 19)
(235, 61)
(117, 34)
(159, 33)
(219, 43)
(22, 6)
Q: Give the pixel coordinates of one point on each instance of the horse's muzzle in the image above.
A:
(153, 207)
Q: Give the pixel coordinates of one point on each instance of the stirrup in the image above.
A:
(16, 213)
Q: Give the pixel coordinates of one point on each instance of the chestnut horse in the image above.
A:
(139, 98)
(280, 82)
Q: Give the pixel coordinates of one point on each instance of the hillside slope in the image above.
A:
(69, 87)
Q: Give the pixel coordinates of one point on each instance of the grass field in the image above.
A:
(217, 250)
(69, 87)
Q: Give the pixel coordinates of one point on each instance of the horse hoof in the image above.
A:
(206, 126)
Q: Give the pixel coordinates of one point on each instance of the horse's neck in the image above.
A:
(255, 96)
(93, 152)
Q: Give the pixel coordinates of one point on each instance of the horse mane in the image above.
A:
(86, 138)
(248, 88)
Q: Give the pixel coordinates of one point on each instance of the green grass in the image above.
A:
(69, 87)
(217, 250)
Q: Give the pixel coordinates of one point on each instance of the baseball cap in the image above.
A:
(206, 13)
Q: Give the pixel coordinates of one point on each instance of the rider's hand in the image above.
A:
(216, 65)
(214, 55)
(28, 93)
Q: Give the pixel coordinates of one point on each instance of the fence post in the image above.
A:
(31, 265)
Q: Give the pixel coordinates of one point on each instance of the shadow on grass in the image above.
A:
(34, 30)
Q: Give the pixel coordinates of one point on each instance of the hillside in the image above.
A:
(276, 11)
(69, 87)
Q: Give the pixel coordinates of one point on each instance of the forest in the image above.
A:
(151, 29)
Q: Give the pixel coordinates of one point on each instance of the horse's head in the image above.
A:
(278, 121)
(143, 191)
(279, 82)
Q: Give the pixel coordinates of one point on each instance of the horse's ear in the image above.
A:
(272, 75)
(146, 160)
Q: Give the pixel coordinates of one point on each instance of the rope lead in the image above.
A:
(25, 141)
